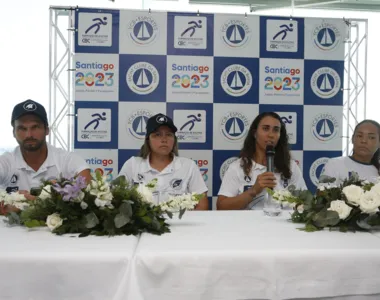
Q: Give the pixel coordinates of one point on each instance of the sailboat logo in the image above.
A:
(234, 126)
(136, 123)
(325, 127)
(142, 78)
(325, 82)
(235, 33)
(316, 169)
(144, 32)
(236, 80)
(326, 37)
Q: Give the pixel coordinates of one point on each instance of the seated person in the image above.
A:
(244, 183)
(365, 156)
(35, 160)
(159, 159)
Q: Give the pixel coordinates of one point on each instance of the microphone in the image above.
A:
(269, 152)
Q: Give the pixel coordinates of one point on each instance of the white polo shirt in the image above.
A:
(179, 177)
(342, 167)
(236, 182)
(16, 174)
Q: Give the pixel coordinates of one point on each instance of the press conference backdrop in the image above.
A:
(212, 73)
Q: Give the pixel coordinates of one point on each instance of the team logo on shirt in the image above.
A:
(176, 184)
(14, 178)
(247, 178)
(140, 176)
(316, 169)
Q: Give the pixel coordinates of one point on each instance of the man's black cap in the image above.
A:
(29, 107)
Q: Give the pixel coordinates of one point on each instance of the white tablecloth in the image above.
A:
(246, 255)
(37, 265)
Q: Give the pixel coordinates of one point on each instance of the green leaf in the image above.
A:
(156, 224)
(170, 214)
(147, 219)
(181, 212)
(13, 218)
(343, 228)
(326, 218)
(126, 209)
(91, 220)
(121, 180)
(309, 228)
(121, 220)
(34, 223)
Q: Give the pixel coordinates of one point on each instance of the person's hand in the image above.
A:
(264, 180)
(27, 195)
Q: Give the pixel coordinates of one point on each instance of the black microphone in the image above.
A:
(269, 152)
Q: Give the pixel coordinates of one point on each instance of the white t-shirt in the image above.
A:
(342, 167)
(236, 182)
(16, 174)
(179, 177)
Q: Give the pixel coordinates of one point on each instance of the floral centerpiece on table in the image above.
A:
(350, 206)
(99, 208)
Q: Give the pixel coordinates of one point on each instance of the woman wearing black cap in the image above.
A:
(159, 159)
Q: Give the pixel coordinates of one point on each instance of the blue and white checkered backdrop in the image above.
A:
(212, 73)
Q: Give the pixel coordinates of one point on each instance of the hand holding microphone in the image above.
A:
(267, 179)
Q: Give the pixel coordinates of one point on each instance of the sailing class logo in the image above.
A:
(234, 126)
(325, 82)
(324, 127)
(143, 30)
(142, 78)
(136, 123)
(236, 80)
(326, 36)
(235, 33)
(316, 169)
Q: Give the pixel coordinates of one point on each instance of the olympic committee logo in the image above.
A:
(325, 82)
(326, 37)
(316, 169)
(234, 126)
(136, 123)
(224, 167)
(143, 30)
(324, 127)
(142, 78)
(236, 80)
(235, 33)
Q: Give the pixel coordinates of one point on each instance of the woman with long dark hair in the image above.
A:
(245, 180)
(365, 156)
(159, 159)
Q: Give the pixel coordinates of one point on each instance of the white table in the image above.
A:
(246, 255)
(37, 265)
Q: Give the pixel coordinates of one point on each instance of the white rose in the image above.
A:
(341, 208)
(79, 198)
(53, 221)
(146, 193)
(300, 208)
(45, 193)
(370, 202)
(353, 194)
(376, 188)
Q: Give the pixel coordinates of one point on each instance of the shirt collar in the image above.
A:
(257, 166)
(21, 163)
(173, 166)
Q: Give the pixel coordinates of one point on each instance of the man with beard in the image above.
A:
(35, 160)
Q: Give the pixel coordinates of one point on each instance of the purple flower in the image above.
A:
(71, 190)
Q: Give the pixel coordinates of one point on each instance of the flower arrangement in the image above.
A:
(350, 206)
(99, 208)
